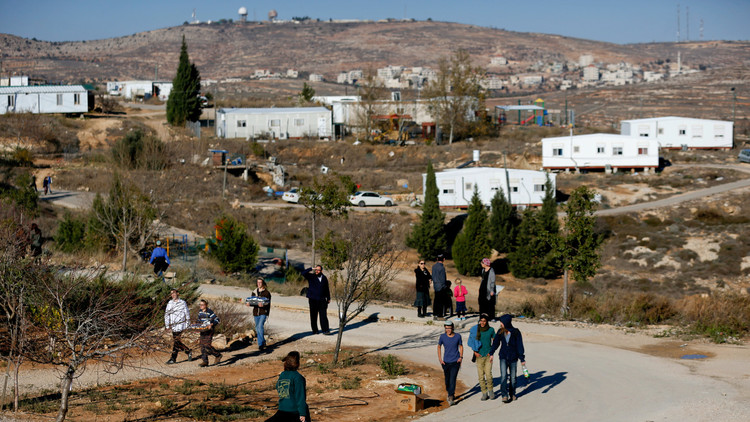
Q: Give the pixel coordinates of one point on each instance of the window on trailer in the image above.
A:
(616, 150)
(76, 99)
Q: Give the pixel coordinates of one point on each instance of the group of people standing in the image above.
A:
(484, 342)
(442, 306)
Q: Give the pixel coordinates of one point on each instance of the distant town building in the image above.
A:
(590, 73)
(14, 81)
(585, 60)
(492, 82)
(498, 61)
(315, 77)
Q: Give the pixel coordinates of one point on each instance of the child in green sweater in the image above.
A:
(292, 393)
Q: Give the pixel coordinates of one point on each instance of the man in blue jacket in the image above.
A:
(510, 342)
(318, 297)
(159, 259)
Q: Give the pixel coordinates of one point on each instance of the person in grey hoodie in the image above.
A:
(439, 283)
(510, 342)
(486, 295)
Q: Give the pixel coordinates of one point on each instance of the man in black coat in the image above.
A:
(318, 296)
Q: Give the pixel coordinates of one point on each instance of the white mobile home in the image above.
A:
(456, 186)
(73, 99)
(134, 89)
(277, 123)
(682, 132)
(599, 151)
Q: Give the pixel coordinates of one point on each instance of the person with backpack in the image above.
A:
(510, 342)
(159, 259)
(292, 389)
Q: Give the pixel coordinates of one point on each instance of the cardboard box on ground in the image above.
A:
(411, 397)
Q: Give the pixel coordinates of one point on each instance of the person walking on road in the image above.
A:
(486, 296)
(318, 297)
(480, 341)
(45, 185)
(423, 289)
(451, 359)
(207, 322)
(292, 389)
(439, 281)
(510, 342)
(177, 320)
(261, 312)
(159, 259)
(460, 293)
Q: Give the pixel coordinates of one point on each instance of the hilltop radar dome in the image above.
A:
(272, 15)
(243, 13)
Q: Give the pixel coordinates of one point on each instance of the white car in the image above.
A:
(370, 199)
(291, 195)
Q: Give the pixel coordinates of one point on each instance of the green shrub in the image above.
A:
(71, 233)
(391, 365)
(351, 383)
(234, 249)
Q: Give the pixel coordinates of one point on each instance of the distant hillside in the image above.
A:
(236, 50)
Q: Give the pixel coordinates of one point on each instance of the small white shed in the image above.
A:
(133, 89)
(39, 99)
(456, 186)
(277, 123)
(599, 151)
(682, 132)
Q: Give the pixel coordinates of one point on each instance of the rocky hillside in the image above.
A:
(236, 50)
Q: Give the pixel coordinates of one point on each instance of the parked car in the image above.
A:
(744, 156)
(291, 195)
(370, 199)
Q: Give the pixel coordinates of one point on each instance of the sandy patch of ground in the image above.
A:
(94, 135)
(706, 248)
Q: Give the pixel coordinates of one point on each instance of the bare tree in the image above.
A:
(128, 216)
(79, 320)
(371, 94)
(456, 93)
(17, 275)
(362, 260)
(326, 198)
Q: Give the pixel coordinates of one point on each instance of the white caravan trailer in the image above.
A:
(599, 151)
(277, 123)
(71, 99)
(456, 186)
(682, 132)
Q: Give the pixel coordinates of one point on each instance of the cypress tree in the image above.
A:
(548, 214)
(428, 237)
(473, 242)
(503, 222)
(536, 251)
(183, 103)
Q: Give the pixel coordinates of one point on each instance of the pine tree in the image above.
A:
(428, 237)
(235, 250)
(473, 242)
(536, 251)
(307, 94)
(183, 103)
(503, 223)
(548, 214)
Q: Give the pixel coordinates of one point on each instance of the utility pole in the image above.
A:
(734, 102)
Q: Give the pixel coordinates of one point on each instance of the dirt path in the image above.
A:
(578, 371)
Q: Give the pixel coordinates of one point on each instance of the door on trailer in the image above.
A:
(322, 127)
(447, 194)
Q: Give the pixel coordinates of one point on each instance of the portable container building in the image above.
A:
(599, 151)
(682, 132)
(276, 123)
(456, 186)
(40, 99)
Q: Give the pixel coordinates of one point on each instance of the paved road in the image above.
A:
(582, 374)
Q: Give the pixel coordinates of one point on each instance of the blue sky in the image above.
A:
(623, 21)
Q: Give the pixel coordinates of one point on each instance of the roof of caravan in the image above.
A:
(671, 118)
(274, 110)
(599, 136)
(41, 89)
(481, 170)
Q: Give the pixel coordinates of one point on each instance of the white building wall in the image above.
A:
(456, 186)
(44, 99)
(674, 132)
(599, 150)
(279, 123)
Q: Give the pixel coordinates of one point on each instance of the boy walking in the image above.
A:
(451, 360)
(207, 317)
(177, 319)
